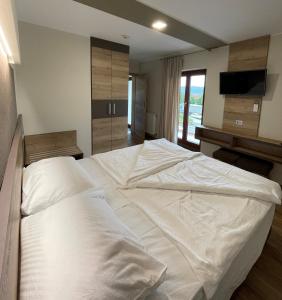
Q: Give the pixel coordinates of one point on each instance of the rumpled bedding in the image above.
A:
(219, 207)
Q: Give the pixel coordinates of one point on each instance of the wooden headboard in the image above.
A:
(8, 111)
(10, 201)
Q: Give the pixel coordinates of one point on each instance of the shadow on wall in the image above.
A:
(271, 84)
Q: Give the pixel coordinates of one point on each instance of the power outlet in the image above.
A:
(255, 108)
(239, 123)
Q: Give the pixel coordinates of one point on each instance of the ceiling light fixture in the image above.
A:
(159, 25)
(5, 46)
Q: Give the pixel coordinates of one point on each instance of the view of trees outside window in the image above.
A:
(196, 95)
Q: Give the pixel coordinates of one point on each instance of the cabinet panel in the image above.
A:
(101, 73)
(101, 109)
(110, 69)
(120, 108)
(119, 132)
(101, 135)
(120, 71)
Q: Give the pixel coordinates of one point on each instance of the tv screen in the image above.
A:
(249, 83)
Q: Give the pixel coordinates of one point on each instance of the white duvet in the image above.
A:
(163, 165)
(209, 213)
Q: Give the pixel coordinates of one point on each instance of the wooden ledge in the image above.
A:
(267, 149)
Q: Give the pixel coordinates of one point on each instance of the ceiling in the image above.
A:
(144, 15)
(227, 20)
(73, 17)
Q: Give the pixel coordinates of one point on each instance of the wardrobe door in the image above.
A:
(120, 72)
(101, 135)
(101, 73)
(110, 68)
(119, 132)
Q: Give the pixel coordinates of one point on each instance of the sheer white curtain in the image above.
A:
(172, 68)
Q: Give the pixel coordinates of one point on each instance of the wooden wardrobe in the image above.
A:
(109, 104)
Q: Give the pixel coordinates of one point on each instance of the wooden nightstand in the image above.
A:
(47, 145)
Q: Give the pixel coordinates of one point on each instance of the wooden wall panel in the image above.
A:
(101, 73)
(8, 111)
(250, 123)
(120, 71)
(246, 55)
(241, 105)
(249, 54)
(241, 109)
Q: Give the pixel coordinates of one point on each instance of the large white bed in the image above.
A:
(206, 221)
(208, 239)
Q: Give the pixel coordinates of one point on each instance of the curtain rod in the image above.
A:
(182, 54)
(188, 53)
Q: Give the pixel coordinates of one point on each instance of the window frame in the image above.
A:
(183, 141)
(130, 78)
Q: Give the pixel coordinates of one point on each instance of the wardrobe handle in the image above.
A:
(110, 109)
(114, 109)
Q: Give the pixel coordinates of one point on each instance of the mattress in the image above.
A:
(183, 279)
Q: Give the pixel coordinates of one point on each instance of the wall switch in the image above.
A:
(256, 107)
(239, 123)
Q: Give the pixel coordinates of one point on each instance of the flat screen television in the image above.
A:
(248, 83)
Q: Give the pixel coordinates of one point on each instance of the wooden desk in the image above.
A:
(40, 146)
(267, 149)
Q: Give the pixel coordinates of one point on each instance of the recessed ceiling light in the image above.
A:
(159, 25)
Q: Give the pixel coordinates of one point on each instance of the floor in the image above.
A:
(265, 279)
(132, 140)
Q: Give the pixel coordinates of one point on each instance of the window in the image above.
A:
(192, 93)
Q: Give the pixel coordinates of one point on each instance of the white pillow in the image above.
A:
(79, 249)
(50, 180)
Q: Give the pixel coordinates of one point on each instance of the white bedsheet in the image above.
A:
(181, 282)
(206, 174)
(199, 235)
(134, 163)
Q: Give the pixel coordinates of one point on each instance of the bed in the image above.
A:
(206, 221)
(139, 206)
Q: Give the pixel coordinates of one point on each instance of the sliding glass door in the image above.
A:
(192, 94)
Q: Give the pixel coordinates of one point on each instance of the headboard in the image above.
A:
(8, 111)
(10, 201)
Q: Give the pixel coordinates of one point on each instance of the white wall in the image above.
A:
(216, 61)
(53, 83)
(271, 113)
